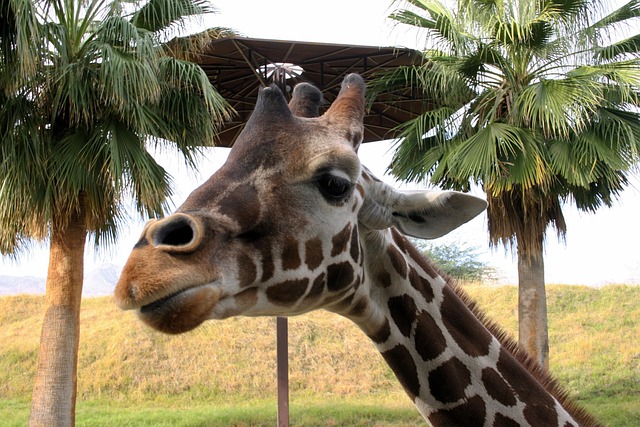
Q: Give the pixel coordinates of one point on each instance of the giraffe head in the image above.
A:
(278, 229)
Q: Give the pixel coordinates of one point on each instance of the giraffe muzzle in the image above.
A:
(161, 250)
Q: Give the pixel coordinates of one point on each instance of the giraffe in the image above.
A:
(293, 222)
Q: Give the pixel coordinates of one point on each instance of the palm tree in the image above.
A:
(536, 103)
(75, 134)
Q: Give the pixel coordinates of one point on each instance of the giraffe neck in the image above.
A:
(456, 369)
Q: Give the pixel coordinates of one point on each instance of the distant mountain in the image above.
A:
(98, 282)
(12, 285)
(101, 281)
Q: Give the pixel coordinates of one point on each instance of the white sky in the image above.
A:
(600, 248)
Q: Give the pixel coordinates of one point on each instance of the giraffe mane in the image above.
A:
(511, 345)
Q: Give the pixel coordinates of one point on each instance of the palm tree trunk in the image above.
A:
(54, 393)
(532, 306)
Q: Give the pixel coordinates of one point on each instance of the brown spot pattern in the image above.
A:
(397, 260)
(339, 276)
(355, 137)
(247, 159)
(355, 245)
(540, 406)
(382, 334)
(242, 205)
(340, 240)
(358, 281)
(448, 381)
(290, 254)
(402, 364)
(467, 331)
(503, 421)
(403, 312)
(246, 299)
(287, 292)
(430, 342)
(399, 239)
(421, 260)
(313, 253)
(497, 388)
(345, 303)
(316, 289)
(541, 413)
(384, 278)
(246, 271)
(359, 307)
(268, 267)
(471, 413)
(421, 284)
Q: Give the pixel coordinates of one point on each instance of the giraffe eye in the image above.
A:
(333, 188)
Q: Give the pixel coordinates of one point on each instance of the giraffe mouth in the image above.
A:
(182, 310)
(157, 305)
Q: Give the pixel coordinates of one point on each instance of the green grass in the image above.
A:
(223, 373)
(174, 413)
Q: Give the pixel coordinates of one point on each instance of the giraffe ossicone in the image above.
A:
(293, 222)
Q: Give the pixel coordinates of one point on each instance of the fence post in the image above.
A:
(282, 360)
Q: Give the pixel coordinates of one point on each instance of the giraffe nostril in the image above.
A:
(174, 234)
(178, 232)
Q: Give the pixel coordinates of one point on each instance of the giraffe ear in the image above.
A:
(306, 100)
(347, 111)
(427, 214)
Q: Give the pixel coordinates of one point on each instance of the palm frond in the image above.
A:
(137, 171)
(23, 182)
(619, 50)
(409, 17)
(438, 79)
(602, 192)
(193, 110)
(437, 20)
(489, 152)
(626, 12)
(413, 164)
(190, 77)
(124, 76)
(532, 34)
(160, 15)
(122, 35)
(18, 52)
(484, 67)
(439, 123)
(188, 48)
(559, 107)
(619, 130)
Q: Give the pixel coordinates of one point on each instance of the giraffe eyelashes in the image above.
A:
(334, 188)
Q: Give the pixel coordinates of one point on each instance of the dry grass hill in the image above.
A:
(595, 352)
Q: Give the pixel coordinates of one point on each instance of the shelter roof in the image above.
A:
(238, 66)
